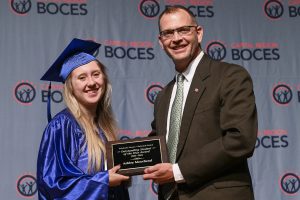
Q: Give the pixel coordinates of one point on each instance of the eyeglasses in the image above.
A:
(182, 31)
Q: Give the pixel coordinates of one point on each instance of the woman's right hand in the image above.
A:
(116, 179)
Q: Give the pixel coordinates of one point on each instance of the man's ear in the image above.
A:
(199, 33)
(160, 42)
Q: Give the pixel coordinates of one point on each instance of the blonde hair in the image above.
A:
(104, 120)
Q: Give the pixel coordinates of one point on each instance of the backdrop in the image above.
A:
(262, 36)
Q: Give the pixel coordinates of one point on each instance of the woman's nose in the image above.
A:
(91, 81)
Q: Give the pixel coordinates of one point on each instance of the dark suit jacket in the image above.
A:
(218, 132)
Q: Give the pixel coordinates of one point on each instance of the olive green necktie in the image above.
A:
(175, 120)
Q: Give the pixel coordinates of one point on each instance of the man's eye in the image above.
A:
(168, 33)
(183, 30)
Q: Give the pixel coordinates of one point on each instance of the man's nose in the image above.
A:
(177, 36)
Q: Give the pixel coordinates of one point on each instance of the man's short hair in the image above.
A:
(174, 9)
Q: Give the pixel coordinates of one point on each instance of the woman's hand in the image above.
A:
(116, 179)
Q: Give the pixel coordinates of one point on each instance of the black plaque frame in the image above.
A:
(134, 155)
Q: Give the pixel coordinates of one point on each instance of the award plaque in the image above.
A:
(135, 155)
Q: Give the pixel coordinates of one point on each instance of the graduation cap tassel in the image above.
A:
(49, 103)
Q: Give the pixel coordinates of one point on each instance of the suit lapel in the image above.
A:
(196, 90)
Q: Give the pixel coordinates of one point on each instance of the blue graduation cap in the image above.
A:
(77, 53)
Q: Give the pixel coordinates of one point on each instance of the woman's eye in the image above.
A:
(82, 78)
(96, 74)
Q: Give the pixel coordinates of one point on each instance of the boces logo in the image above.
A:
(151, 92)
(150, 9)
(289, 184)
(26, 186)
(50, 7)
(154, 188)
(272, 139)
(283, 93)
(20, 7)
(245, 51)
(132, 50)
(216, 50)
(274, 9)
(26, 92)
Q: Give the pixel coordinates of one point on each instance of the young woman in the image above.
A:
(71, 160)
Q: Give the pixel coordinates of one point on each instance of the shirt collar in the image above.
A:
(190, 70)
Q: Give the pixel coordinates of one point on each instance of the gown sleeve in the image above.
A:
(58, 176)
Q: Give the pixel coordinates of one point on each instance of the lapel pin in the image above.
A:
(196, 90)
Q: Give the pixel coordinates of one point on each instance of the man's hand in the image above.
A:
(159, 173)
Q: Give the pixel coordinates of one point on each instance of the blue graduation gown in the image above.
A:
(62, 165)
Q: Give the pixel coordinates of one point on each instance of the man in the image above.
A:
(217, 120)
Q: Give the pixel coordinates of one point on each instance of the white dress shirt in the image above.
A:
(188, 77)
